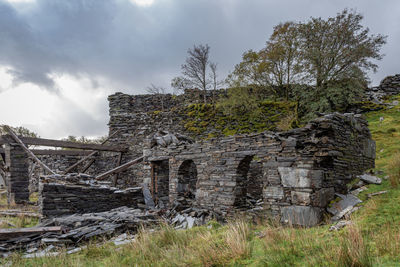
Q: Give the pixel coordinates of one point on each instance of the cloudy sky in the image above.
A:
(59, 59)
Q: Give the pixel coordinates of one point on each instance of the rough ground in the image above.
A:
(372, 238)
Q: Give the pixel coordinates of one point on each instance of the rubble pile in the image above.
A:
(79, 227)
(349, 203)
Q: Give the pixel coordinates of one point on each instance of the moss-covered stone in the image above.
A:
(210, 121)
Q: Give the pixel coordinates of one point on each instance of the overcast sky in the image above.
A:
(60, 59)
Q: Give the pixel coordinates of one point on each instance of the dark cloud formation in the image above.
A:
(121, 46)
(132, 46)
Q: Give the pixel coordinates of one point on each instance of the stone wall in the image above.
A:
(138, 117)
(301, 169)
(17, 176)
(58, 198)
(389, 86)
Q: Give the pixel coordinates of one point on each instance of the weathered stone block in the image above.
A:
(323, 196)
(301, 215)
(295, 177)
(274, 192)
(300, 198)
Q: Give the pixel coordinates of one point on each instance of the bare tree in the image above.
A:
(158, 91)
(214, 79)
(194, 71)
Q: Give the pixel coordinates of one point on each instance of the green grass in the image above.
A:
(373, 239)
(17, 221)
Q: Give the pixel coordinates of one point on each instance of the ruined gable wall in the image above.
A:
(138, 116)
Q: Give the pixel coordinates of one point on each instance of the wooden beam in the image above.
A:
(90, 155)
(33, 169)
(61, 152)
(121, 168)
(6, 234)
(20, 213)
(65, 144)
(116, 176)
(30, 154)
(87, 166)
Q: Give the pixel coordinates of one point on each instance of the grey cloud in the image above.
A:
(133, 46)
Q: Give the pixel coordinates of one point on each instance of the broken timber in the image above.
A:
(15, 137)
(20, 214)
(120, 168)
(90, 155)
(117, 175)
(62, 152)
(6, 234)
(66, 144)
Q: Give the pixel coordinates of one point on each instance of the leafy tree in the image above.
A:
(282, 56)
(252, 71)
(338, 48)
(273, 68)
(194, 71)
(321, 63)
(21, 131)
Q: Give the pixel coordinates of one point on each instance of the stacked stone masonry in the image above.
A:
(388, 87)
(60, 198)
(17, 176)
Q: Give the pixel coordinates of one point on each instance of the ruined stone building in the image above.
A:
(290, 175)
(295, 173)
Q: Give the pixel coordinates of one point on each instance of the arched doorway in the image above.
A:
(187, 180)
(249, 185)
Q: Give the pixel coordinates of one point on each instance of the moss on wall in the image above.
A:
(210, 121)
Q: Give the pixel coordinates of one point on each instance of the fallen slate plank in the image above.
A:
(190, 221)
(347, 201)
(357, 191)
(6, 234)
(341, 213)
(377, 193)
(340, 225)
(370, 179)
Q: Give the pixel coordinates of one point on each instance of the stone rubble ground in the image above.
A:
(121, 221)
(78, 228)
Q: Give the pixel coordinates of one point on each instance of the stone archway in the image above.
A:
(248, 189)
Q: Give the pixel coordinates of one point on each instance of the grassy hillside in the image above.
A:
(372, 240)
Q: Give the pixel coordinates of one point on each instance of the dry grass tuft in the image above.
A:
(394, 170)
(286, 123)
(354, 250)
(388, 240)
(237, 237)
